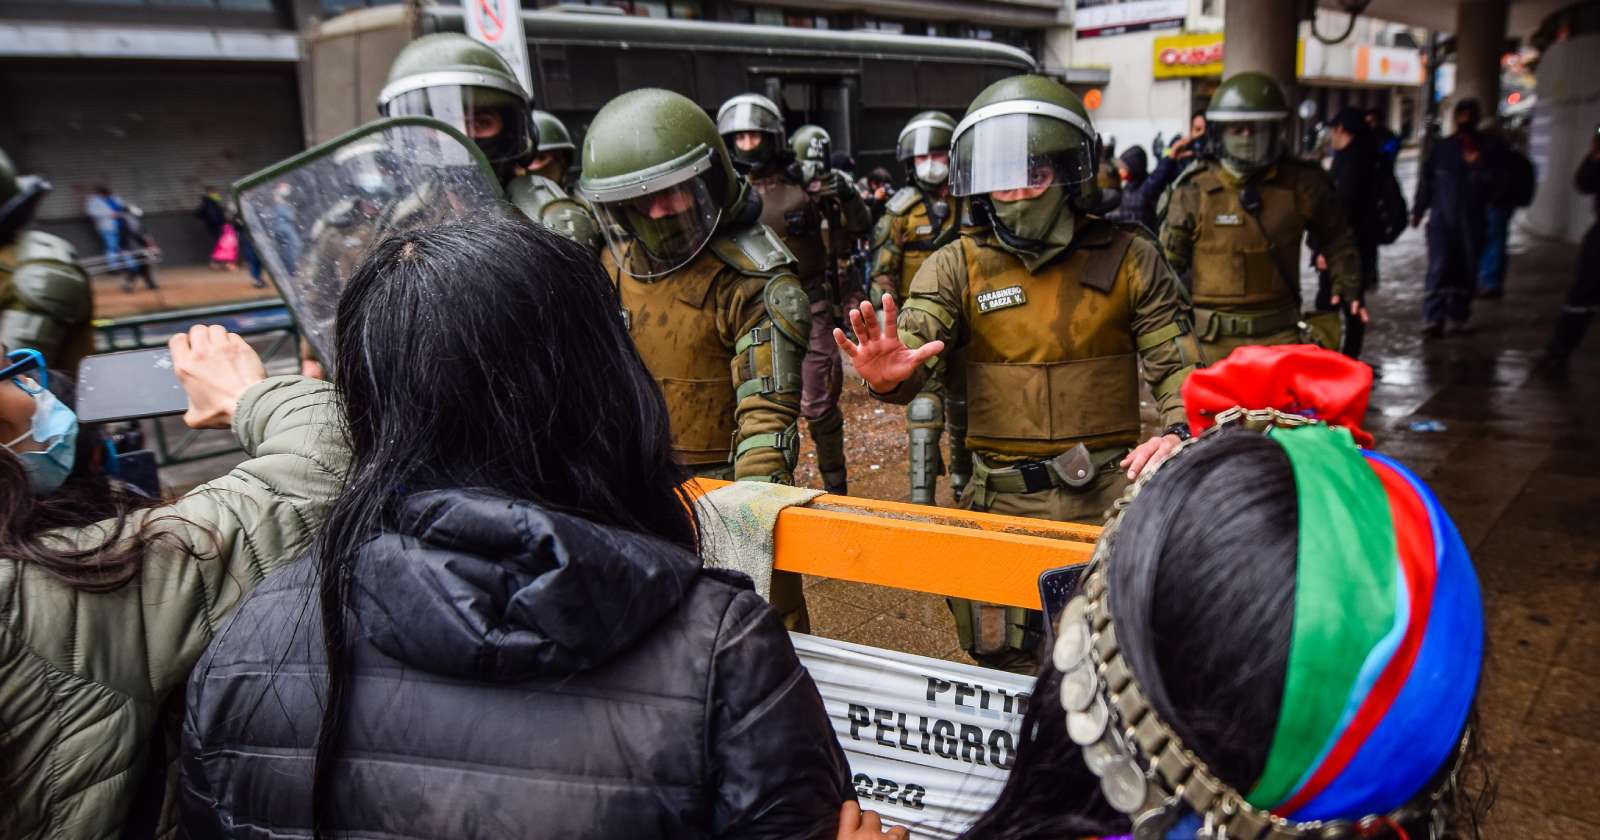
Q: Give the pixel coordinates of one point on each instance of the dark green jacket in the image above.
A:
(84, 675)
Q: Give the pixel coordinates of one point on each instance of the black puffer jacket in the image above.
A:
(516, 673)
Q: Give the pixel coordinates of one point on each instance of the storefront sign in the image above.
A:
(1118, 17)
(1388, 65)
(930, 742)
(1179, 56)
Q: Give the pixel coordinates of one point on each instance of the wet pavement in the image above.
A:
(1508, 451)
(1511, 454)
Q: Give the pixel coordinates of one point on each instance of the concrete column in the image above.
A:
(1262, 35)
(1480, 38)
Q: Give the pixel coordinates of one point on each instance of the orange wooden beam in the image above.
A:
(982, 556)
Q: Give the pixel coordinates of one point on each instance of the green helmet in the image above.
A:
(451, 77)
(1025, 131)
(1248, 112)
(812, 148)
(658, 175)
(553, 134)
(751, 113)
(19, 194)
(928, 133)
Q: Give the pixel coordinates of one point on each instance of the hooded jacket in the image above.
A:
(1140, 193)
(515, 672)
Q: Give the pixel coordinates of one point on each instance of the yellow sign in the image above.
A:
(1180, 56)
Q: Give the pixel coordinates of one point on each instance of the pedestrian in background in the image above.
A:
(1453, 193)
(1357, 172)
(215, 218)
(1583, 296)
(1385, 141)
(105, 209)
(142, 250)
(1139, 190)
(1514, 189)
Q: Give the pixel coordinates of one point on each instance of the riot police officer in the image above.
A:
(453, 78)
(45, 299)
(553, 157)
(918, 220)
(714, 305)
(817, 212)
(1234, 224)
(1054, 311)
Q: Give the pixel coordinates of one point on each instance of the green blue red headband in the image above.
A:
(1387, 641)
(1388, 625)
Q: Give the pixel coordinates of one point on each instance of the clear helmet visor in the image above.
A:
(497, 121)
(1018, 151)
(660, 232)
(1250, 144)
(923, 139)
(748, 116)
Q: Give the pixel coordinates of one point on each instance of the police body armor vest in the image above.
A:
(1234, 267)
(673, 322)
(920, 236)
(790, 213)
(1050, 357)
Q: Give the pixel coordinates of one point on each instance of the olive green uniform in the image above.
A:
(911, 229)
(1243, 269)
(724, 336)
(1052, 363)
(45, 299)
(817, 231)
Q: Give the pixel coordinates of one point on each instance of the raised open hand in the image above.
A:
(880, 357)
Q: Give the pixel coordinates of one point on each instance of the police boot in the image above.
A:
(960, 458)
(924, 427)
(997, 636)
(827, 432)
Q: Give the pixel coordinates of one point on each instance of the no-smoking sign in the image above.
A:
(491, 17)
(498, 23)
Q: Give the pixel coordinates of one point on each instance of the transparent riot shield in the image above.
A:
(314, 217)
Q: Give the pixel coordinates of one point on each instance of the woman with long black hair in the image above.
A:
(505, 629)
(108, 598)
(1280, 636)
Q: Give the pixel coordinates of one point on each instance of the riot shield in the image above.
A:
(314, 217)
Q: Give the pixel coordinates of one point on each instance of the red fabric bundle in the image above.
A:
(1296, 379)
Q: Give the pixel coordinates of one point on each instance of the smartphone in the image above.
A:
(1056, 588)
(129, 385)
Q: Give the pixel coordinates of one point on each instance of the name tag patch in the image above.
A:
(1229, 219)
(1001, 298)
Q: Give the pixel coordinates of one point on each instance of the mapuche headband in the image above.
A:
(1383, 664)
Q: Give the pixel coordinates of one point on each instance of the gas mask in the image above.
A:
(932, 171)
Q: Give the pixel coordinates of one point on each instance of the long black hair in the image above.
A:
(1202, 584)
(485, 353)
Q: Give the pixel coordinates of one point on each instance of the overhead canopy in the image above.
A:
(1440, 15)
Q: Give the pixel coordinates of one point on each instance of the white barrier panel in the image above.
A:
(930, 742)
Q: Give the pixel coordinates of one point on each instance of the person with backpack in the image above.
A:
(1518, 180)
(1365, 185)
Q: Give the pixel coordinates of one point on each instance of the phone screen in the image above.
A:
(129, 385)
(1056, 588)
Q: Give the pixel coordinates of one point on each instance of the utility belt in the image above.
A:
(1075, 469)
(1212, 324)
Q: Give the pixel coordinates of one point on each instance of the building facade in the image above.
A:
(1164, 58)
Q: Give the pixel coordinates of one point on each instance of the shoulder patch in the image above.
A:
(753, 250)
(789, 308)
(903, 200)
(1103, 261)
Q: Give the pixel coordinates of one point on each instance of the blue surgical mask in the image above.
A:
(57, 427)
